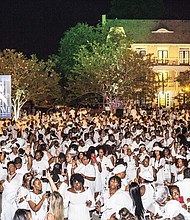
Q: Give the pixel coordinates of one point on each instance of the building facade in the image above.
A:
(169, 43)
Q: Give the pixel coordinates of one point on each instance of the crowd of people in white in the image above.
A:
(71, 164)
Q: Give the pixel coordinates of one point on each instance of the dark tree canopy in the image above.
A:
(137, 9)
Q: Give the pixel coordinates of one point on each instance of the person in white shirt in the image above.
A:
(14, 152)
(87, 170)
(39, 163)
(167, 141)
(23, 191)
(4, 136)
(88, 142)
(184, 186)
(37, 200)
(106, 165)
(21, 141)
(113, 199)
(9, 187)
(23, 167)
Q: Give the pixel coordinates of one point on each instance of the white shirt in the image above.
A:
(38, 166)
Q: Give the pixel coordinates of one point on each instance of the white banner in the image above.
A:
(5, 96)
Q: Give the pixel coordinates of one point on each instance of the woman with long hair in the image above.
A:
(169, 167)
(55, 207)
(23, 191)
(181, 164)
(98, 170)
(147, 189)
(134, 192)
(158, 162)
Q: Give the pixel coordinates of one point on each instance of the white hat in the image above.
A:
(69, 123)
(157, 148)
(14, 145)
(119, 169)
(142, 157)
(179, 156)
(141, 145)
(72, 152)
(84, 126)
(147, 175)
(5, 149)
(172, 209)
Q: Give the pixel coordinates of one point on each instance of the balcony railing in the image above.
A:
(171, 61)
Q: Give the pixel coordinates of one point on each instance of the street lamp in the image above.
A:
(185, 92)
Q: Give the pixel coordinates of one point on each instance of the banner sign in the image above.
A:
(5, 96)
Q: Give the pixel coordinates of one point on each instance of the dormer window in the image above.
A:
(162, 31)
(141, 51)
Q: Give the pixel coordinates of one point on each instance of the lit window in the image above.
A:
(184, 56)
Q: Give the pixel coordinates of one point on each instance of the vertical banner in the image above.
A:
(5, 96)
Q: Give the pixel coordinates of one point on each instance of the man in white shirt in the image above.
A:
(184, 186)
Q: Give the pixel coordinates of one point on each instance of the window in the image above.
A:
(141, 51)
(162, 56)
(163, 78)
(184, 56)
(164, 99)
(167, 99)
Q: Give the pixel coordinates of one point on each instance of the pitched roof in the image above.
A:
(156, 31)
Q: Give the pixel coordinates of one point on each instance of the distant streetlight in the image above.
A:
(185, 92)
(186, 89)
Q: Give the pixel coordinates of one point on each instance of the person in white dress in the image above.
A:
(98, 170)
(181, 164)
(9, 188)
(145, 166)
(113, 199)
(169, 164)
(158, 162)
(78, 200)
(106, 165)
(120, 171)
(23, 191)
(147, 189)
(134, 192)
(131, 161)
(87, 170)
(39, 163)
(37, 200)
(184, 187)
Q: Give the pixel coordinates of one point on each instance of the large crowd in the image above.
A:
(74, 164)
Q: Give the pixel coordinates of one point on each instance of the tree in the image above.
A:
(70, 44)
(184, 81)
(32, 79)
(137, 9)
(113, 70)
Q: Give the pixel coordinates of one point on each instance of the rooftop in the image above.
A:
(156, 31)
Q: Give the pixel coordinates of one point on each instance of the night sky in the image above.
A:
(36, 27)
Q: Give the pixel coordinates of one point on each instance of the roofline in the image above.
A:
(161, 43)
(136, 19)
